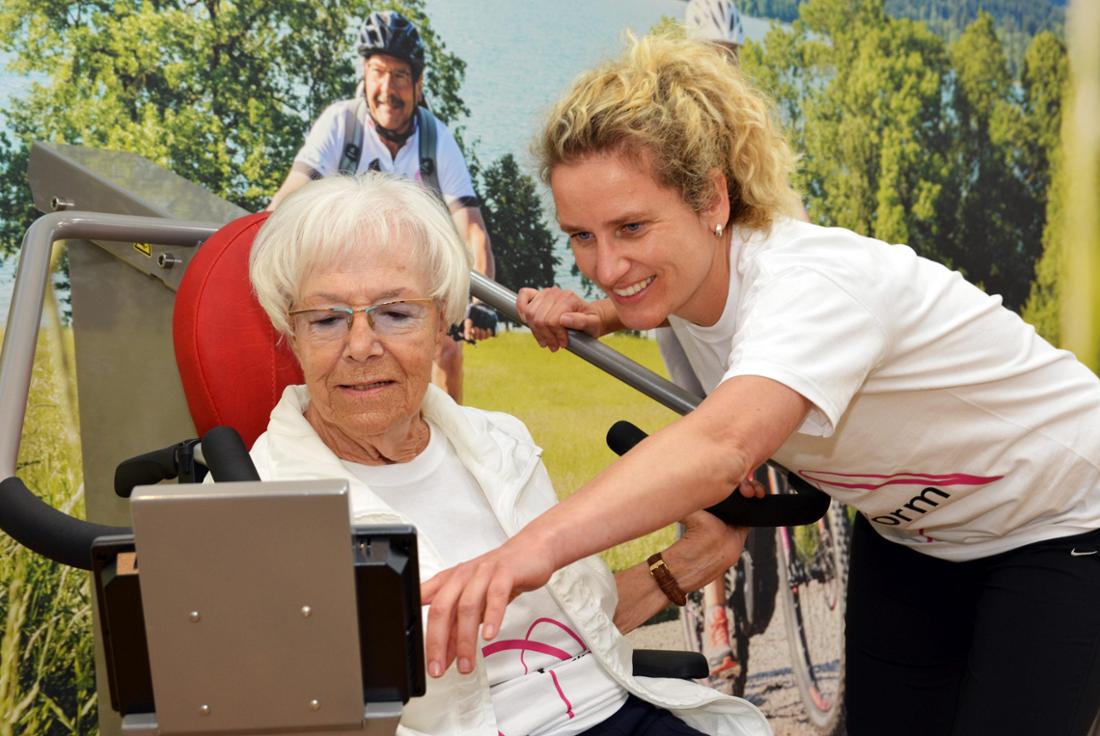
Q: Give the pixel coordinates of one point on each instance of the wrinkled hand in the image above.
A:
(707, 537)
(475, 594)
(551, 312)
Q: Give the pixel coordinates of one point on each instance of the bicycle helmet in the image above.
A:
(392, 34)
(715, 20)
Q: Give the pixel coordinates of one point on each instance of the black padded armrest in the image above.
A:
(662, 663)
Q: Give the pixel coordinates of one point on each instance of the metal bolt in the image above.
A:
(194, 617)
(315, 704)
(306, 611)
(204, 709)
(167, 260)
(61, 203)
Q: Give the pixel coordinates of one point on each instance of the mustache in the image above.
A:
(391, 100)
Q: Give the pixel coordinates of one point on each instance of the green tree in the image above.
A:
(984, 194)
(523, 245)
(1044, 302)
(220, 91)
(1035, 135)
(1006, 133)
(912, 142)
(862, 95)
(1017, 20)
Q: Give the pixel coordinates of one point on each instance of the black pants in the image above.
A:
(1008, 644)
(639, 718)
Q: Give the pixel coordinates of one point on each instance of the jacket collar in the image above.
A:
(500, 460)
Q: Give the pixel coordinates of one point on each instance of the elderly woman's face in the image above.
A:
(367, 380)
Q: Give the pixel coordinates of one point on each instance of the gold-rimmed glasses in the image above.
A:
(396, 318)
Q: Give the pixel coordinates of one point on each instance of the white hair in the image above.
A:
(335, 218)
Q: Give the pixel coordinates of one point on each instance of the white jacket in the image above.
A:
(499, 452)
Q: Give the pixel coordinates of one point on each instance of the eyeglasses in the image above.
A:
(388, 319)
(398, 77)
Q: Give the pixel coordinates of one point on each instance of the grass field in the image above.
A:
(568, 405)
(47, 685)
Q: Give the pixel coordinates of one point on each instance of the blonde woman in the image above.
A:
(968, 445)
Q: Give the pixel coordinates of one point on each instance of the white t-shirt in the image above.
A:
(324, 146)
(542, 678)
(937, 413)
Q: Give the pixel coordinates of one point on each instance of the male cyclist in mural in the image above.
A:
(387, 128)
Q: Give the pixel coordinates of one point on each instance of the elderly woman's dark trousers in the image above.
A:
(1004, 645)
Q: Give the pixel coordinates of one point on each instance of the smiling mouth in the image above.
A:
(366, 386)
(633, 289)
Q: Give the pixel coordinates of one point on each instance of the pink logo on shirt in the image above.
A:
(908, 514)
(525, 645)
(875, 481)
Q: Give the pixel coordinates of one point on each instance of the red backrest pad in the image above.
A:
(233, 364)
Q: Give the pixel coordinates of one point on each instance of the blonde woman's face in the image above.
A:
(639, 242)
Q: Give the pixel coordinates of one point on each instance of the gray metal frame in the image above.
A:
(28, 295)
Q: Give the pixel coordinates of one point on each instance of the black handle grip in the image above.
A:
(804, 507)
(145, 470)
(224, 453)
(47, 531)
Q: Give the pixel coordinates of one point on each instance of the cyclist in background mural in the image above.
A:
(388, 128)
(967, 444)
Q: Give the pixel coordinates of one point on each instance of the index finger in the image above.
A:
(441, 618)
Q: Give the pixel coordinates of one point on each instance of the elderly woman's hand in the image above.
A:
(705, 550)
(551, 312)
(714, 544)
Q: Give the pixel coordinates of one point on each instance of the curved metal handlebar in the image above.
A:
(23, 515)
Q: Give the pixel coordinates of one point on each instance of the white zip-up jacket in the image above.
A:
(500, 454)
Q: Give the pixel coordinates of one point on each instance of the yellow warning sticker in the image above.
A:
(144, 248)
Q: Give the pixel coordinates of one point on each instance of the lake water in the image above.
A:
(520, 57)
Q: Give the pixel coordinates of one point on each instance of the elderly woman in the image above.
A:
(363, 276)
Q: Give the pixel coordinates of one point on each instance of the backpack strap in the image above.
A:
(429, 173)
(353, 138)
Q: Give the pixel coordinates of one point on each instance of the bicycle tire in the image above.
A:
(813, 584)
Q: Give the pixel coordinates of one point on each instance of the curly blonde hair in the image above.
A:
(691, 109)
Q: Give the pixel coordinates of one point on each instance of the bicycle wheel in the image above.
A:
(813, 574)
